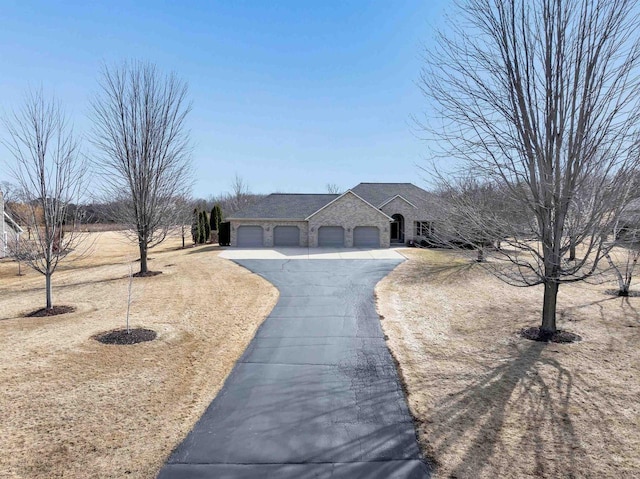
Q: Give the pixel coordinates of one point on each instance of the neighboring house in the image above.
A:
(371, 215)
(10, 231)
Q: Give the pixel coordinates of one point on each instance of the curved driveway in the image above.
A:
(316, 393)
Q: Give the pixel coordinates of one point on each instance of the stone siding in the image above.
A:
(349, 211)
(409, 212)
(267, 227)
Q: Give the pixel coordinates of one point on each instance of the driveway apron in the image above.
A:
(316, 394)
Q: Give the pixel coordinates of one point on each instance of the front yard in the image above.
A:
(73, 407)
(489, 404)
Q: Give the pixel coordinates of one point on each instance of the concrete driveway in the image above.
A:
(316, 393)
(310, 253)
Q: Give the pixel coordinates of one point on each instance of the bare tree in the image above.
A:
(139, 130)
(333, 189)
(626, 237)
(461, 212)
(542, 97)
(50, 174)
(240, 195)
(184, 215)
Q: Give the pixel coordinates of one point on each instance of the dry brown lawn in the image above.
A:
(489, 404)
(73, 407)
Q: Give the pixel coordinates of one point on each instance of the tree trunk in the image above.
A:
(143, 257)
(48, 290)
(480, 258)
(572, 250)
(549, 308)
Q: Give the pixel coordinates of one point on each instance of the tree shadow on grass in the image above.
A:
(441, 273)
(206, 249)
(521, 409)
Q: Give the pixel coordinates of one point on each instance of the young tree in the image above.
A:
(139, 131)
(542, 98)
(626, 237)
(50, 174)
(184, 216)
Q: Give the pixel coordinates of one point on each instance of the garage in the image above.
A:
(331, 236)
(250, 236)
(286, 236)
(366, 237)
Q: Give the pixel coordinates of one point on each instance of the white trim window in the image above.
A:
(423, 228)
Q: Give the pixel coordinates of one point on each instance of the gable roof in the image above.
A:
(352, 193)
(398, 196)
(283, 206)
(301, 206)
(379, 194)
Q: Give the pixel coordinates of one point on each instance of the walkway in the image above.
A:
(316, 393)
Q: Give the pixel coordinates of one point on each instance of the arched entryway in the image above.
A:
(397, 228)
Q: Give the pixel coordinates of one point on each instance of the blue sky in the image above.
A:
(290, 95)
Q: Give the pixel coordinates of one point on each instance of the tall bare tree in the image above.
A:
(50, 174)
(542, 97)
(144, 149)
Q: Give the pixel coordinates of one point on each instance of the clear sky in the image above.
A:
(291, 95)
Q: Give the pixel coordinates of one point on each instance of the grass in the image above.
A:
(73, 407)
(490, 404)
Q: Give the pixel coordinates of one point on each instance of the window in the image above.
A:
(423, 228)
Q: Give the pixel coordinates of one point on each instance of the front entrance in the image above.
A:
(397, 229)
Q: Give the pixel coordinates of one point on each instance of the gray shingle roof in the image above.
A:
(298, 206)
(378, 193)
(285, 206)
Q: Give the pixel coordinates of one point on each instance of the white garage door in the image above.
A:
(250, 236)
(286, 236)
(331, 236)
(366, 237)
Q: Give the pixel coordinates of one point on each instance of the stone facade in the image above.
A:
(408, 211)
(349, 211)
(267, 228)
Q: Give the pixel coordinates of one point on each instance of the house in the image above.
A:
(369, 215)
(10, 231)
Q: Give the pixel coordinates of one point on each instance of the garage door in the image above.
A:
(286, 236)
(250, 236)
(366, 237)
(331, 236)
